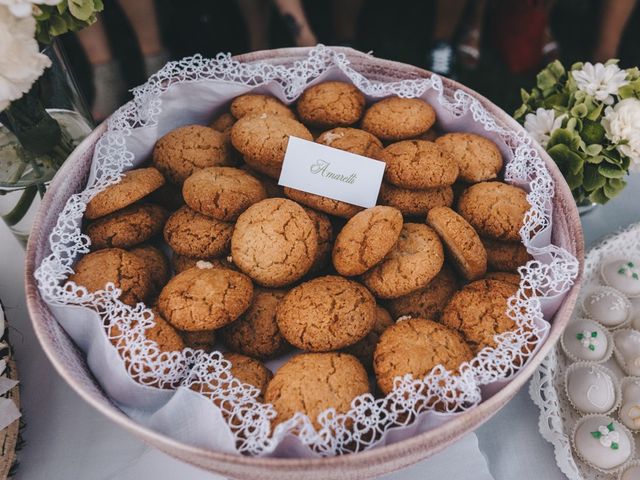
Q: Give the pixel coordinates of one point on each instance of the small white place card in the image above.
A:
(315, 168)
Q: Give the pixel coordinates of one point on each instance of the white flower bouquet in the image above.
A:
(588, 120)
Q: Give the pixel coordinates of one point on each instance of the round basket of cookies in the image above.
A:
(303, 261)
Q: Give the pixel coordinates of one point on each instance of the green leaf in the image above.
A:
(556, 68)
(592, 132)
(62, 7)
(568, 160)
(574, 180)
(613, 187)
(595, 160)
(521, 112)
(593, 150)
(611, 171)
(595, 113)
(81, 9)
(592, 178)
(580, 110)
(598, 196)
(57, 26)
(545, 80)
(562, 136)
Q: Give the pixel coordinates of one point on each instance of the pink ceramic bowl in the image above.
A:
(69, 361)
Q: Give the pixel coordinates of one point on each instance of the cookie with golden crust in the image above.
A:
(417, 164)
(155, 263)
(192, 234)
(352, 140)
(200, 340)
(415, 346)
(133, 186)
(331, 104)
(363, 349)
(507, 277)
(167, 337)
(505, 256)
(262, 140)
(249, 370)
(124, 269)
(324, 231)
(322, 204)
(326, 313)
(366, 239)
(180, 263)
(428, 302)
(127, 227)
(496, 210)
(479, 312)
(222, 193)
(462, 243)
(396, 118)
(274, 242)
(413, 262)
(313, 382)
(205, 298)
(223, 123)
(413, 203)
(187, 149)
(256, 104)
(478, 157)
(256, 332)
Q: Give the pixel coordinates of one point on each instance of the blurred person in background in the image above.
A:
(614, 16)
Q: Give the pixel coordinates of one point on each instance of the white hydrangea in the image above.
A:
(542, 124)
(600, 81)
(622, 126)
(24, 8)
(21, 62)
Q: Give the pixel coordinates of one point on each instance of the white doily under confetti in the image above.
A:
(193, 90)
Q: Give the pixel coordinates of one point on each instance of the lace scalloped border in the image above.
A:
(556, 415)
(369, 418)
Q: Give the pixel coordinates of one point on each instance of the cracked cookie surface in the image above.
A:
(310, 383)
(274, 242)
(494, 209)
(202, 340)
(363, 349)
(414, 203)
(418, 164)
(256, 104)
(366, 239)
(324, 231)
(187, 149)
(396, 118)
(262, 140)
(478, 158)
(326, 313)
(155, 263)
(411, 264)
(479, 312)
(323, 204)
(133, 186)
(127, 227)
(415, 346)
(505, 256)
(222, 193)
(352, 140)
(124, 269)
(180, 263)
(205, 298)
(167, 337)
(249, 370)
(255, 332)
(192, 234)
(331, 104)
(428, 302)
(462, 243)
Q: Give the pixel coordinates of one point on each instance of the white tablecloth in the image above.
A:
(66, 439)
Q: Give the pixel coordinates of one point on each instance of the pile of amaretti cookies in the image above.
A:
(421, 279)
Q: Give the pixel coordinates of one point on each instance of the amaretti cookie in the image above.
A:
(257, 104)
(324, 231)
(331, 104)
(180, 263)
(249, 370)
(479, 312)
(184, 150)
(127, 227)
(222, 193)
(133, 186)
(413, 262)
(366, 239)
(507, 277)
(262, 140)
(352, 140)
(463, 244)
(156, 263)
(428, 302)
(396, 118)
(414, 203)
(274, 242)
(223, 123)
(505, 256)
(478, 157)
(192, 234)
(255, 332)
(323, 204)
(415, 346)
(200, 340)
(167, 337)
(313, 382)
(417, 164)
(326, 313)
(363, 349)
(495, 209)
(114, 265)
(205, 298)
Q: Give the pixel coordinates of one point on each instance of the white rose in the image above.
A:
(622, 124)
(24, 8)
(21, 62)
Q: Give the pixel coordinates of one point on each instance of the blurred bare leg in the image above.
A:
(614, 18)
(469, 47)
(296, 20)
(345, 20)
(256, 14)
(95, 43)
(448, 14)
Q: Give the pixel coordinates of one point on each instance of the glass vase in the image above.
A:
(37, 134)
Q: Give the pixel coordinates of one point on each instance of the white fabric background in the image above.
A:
(67, 439)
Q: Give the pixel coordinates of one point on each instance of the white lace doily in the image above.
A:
(178, 94)
(557, 418)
